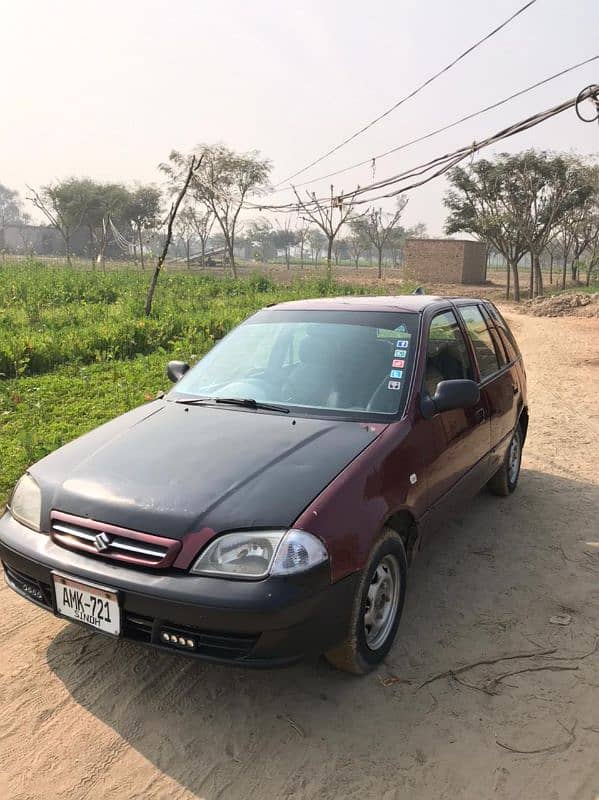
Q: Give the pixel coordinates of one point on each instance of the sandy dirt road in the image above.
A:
(82, 716)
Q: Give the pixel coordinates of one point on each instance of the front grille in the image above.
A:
(38, 591)
(110, 541)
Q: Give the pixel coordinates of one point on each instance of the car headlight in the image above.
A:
(256, 554)
(26, 502)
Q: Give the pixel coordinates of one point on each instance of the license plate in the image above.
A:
(86, 602)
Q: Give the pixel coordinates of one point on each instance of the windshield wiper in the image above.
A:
(244, 402)
(249, 402)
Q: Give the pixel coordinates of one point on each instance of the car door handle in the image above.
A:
(481, 415)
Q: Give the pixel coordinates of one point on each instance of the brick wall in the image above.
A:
(475, 260)
(445, 260)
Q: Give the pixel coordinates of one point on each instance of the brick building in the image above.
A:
(446, 260)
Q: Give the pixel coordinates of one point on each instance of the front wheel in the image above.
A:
(377, 608)
(505, 479)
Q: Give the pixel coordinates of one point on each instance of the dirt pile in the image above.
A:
(564, 305)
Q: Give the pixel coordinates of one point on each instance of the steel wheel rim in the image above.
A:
(514, 459)
(382, 601)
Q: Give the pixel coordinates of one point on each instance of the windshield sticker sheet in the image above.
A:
(400, 354)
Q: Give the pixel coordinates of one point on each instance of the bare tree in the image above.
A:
(203, 221)
(378, 227)
(357, 243)
(303, 235)
(224, 182)
(194, 165)
(322, 214)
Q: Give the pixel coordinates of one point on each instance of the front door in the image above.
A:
(459, 441)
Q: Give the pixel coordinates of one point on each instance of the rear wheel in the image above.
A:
(377, 608)
(505, 479)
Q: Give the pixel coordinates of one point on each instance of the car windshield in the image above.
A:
(322, 363)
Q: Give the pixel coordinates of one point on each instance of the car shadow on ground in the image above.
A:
(485, 585)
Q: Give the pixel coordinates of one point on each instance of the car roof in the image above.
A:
(402, 302)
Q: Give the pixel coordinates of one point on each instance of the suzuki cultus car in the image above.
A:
(269, 505)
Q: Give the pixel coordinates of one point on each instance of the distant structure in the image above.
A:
(446, 260)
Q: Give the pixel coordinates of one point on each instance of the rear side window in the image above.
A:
(506, 335)
(480, 337)
(447, 356)
(503, 355)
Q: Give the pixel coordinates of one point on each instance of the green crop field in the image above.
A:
(76, 349)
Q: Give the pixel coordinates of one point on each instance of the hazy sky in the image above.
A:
(107, 89)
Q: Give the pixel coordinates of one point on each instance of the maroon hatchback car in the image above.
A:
(269, 506)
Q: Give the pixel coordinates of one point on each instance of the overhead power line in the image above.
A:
(437, 131)
(442, 164)
(410, 95)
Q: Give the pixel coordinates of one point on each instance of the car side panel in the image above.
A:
(386, 478)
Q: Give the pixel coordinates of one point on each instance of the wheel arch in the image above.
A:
(404, 523)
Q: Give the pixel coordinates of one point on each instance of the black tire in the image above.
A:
(505, 479)
(355, 654)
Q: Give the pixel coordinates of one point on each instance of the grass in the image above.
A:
(76, 350)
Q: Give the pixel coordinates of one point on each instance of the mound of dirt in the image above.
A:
(565, 305)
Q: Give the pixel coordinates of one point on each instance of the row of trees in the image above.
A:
(225, 180)
(112, 215)
(108, 212)
(527, 205)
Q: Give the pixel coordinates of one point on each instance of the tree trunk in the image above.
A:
(229, 242)
(551, 268)
(531, 277)
(380, 261)
(169, 235)
(203, 256)
(538, 277)
(329, 257)
(574, 269)
(141, 247)
(564, 268)
(187, 253)
(507, 282)
(67, 247)
(516, 281)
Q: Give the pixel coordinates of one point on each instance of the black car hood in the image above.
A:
(168, 469)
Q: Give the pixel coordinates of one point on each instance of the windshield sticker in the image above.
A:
(398, 362)
(401, 328)
(402, 343)
(400, 354)
(394, 385)
(396, 373)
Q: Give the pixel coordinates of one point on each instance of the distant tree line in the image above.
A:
(131, 221)
(527, 207)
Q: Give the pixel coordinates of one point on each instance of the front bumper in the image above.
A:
(256, 623)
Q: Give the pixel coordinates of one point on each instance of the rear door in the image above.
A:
(498, 377)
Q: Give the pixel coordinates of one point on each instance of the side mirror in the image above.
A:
(450, 395)
(176, 370)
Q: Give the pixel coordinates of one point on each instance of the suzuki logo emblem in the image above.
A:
(101, 542)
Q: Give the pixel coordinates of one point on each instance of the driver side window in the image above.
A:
(447, 356)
